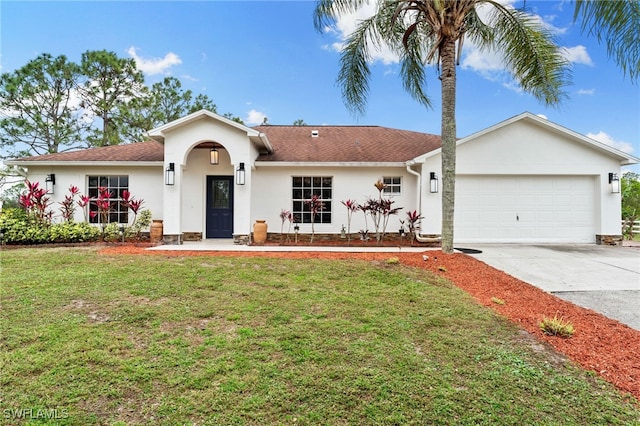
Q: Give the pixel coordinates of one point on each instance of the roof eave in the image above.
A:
(624, 158)
(329, 164)
(24, 163)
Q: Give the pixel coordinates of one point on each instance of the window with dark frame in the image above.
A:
(303, 188)
(393, 185)
(116, 185)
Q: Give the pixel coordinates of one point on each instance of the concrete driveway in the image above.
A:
(605, 279)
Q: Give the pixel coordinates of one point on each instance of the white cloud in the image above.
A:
(577, 55)
(586, 92)
(487, 63)
(346, 24)
(608, 140)
(255, 117)
(155, 65)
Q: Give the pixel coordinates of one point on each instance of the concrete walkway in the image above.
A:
(228, 245)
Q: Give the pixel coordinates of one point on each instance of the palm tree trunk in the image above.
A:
(448, 134)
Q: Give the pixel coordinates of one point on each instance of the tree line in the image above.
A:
(52, 104)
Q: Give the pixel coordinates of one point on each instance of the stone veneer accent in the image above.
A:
(191, 236)
(241, 239)
(303, 239)
(609, 240)
(175, 240)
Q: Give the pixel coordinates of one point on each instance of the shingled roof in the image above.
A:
(139, 151)
(318, 144)
(345, 144)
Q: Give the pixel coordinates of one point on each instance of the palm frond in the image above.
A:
(412, 68)
(531, 54)
(326, 11)
(354, 73)
(618, 24)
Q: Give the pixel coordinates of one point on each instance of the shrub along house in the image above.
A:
(524, 180)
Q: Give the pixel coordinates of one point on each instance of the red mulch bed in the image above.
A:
(599, 344)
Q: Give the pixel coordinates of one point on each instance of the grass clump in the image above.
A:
(224, 340)
(556, 326)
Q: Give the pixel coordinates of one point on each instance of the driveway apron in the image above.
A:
(605, 279)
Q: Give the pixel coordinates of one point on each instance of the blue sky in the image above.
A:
(264, 58)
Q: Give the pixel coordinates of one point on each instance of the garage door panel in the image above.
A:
(525, 209)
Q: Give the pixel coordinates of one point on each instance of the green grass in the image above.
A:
(94, 339)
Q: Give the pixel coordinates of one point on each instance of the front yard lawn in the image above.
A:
(95, 339)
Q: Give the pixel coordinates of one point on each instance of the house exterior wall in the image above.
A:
(144, 183)
(525, 148)
(514, 151)
(272, 192)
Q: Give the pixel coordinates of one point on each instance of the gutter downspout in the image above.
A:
(413, 172)
(420, 238)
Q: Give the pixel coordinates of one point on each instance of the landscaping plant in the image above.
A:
(315, 206)
(68, 206)
(413, 223)
(36, 203)
(33, 222)
(556, 326)
(285, 215)
(351, 206)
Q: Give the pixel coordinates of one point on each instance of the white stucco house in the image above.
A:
(524, 180)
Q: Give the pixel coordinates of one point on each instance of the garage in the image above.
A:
(525, 209)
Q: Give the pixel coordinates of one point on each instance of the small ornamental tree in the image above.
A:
(285, 215)
(380, 210)
(351, 206)
(134, 205)
(387, 210)
(364, 233)
(83, 202)
(315, 206)
(68, 207)
(103, 203)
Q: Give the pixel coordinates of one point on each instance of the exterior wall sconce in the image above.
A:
(614, 180)
(170, 174)
(433, 182)
(50, 183)
(214, 158)
(240, 174)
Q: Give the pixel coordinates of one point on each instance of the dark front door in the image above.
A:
(219, 206)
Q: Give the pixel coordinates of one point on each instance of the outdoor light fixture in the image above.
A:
(433, 182)
(50, 182)
(614, 180)
(170, 174)
(214, 158)
(240, 174)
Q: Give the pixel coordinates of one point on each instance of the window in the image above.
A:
(393, 185)
(115, 185)
(303, 187)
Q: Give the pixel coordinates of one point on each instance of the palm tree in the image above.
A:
(617, 24)
(425, 32)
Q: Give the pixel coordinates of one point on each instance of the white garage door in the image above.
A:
(532, 209)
